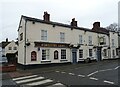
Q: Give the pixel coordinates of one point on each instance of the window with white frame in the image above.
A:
(90, 40)
(104, 41)
(80, 39)
(80, 53)
(45, 54)
(43, 34)
(10, 48)
(62, 37)
(105, 52)
(63, 54)
(113, 42)
(113, 52)
(90, 53)
(15, 48)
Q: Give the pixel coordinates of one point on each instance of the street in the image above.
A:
(103, 73)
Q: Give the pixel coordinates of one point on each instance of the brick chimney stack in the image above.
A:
(46, 17)
(6, 40)
(74, 23)
(96, 25)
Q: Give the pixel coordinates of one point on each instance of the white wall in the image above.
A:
(119, 14)
(12, 45)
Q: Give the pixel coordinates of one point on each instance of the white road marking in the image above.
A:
(81, 75)
(93, 78)
(40, 82)
(58, 84)
(105, 70)
(63, 72)
(108, 82)
(28, 80)
(92, 73)
(57, 71)
(71, 74)
(117, 67)
(25, 77)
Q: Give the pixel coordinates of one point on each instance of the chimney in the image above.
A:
(7, 40)
(96, 25)
(74, 23)
(46, 17)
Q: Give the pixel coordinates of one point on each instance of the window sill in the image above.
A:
(63, 60)
(45, 61)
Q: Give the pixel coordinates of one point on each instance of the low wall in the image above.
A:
(8, 68)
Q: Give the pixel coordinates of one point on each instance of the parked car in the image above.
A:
(3, 61)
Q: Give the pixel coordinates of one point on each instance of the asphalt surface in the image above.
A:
(98, 74)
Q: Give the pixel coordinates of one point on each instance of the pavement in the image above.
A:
(83, 74)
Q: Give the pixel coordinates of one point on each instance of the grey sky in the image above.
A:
(85, 11)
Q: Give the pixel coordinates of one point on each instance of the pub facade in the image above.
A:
(46, 42)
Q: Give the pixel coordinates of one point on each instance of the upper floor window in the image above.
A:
(113, 42)
(63, 54)
(10, 48)
(62, 37)
(90, 40)
(80, 39)
(21, 36)
(15, 48)
(43, 34)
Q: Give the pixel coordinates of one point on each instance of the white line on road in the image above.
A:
(71, 74)
(25, 77)
(93, 78)
(57, 71)
(105, 70)
(28, 80)
(40, 82)
(63, 72)
(81, 75)
(117, 67)
(108, 82)
(92, 73)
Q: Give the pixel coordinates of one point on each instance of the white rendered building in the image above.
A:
(46, 42)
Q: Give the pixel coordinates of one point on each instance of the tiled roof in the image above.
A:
(61, 24)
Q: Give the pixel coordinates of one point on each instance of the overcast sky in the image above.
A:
(86, 12)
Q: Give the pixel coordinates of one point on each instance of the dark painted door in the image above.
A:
(99, 57)
(74, 56)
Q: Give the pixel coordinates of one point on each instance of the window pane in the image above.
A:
(90, 52)
(63, 54)
(80, 53)
(43, 34)
(33, 56)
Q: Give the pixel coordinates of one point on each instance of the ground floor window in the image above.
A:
(33, 56)
(105, 52)
(63, 54)
(113, 52)
(80, 53)
(56, 54)
(90, 52)
(45, 54)
(117, 51)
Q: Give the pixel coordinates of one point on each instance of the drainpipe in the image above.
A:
(25, 46)
(109, 46)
